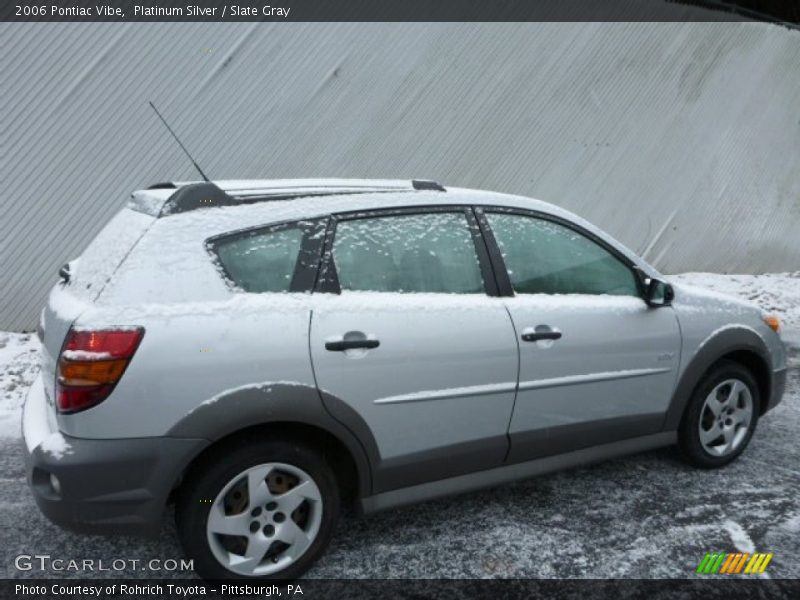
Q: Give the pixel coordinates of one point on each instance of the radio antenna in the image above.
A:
(163, 120)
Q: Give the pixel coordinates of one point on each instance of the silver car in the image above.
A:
(263, 352)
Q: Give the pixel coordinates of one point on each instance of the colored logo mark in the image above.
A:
(732, 563)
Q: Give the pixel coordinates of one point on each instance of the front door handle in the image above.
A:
(342, 345)
(535, 336)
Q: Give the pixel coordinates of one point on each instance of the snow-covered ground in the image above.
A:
(19, 364)
(648, 515)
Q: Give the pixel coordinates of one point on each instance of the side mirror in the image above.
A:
(658, 292)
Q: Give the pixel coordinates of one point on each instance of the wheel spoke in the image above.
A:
(732, 401)
(297, 495)
(728, 434)
(257, 546)
(714, 405)
(710, 435)
(218, 522)
(742, 416)
(257, 489)
(290, 533)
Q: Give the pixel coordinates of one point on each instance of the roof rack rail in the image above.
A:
(427, 184)
(196, 195)
(205, 194)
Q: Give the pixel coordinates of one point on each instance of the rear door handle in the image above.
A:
(342, 345)
(535, 336)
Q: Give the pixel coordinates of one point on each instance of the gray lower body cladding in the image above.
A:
(508, 473)
(109, 486)
(777, 388)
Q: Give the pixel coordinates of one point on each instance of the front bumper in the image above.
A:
(103, 486)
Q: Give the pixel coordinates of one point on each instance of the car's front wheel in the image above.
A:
(721, 416)
(263, 509)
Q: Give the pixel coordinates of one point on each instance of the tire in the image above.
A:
(275, 529)
(721, 416)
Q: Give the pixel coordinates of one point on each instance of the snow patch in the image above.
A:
(66, 305)
(19, 366)
(792, 524)
(105, 253)
(775, 293)
(85, 355)
(265, 385)
(582, 301)
(740, 538)
(55, 445)
(36, 425)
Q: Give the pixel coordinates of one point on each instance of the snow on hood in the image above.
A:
(691, 295)
(774, 293)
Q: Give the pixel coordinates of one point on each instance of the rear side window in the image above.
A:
(431, 252)
(543, 257)
(281, 258)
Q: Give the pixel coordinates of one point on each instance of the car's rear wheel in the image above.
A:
(721, 416)
(264, 509)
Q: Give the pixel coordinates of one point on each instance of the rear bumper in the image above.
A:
(103, 486)
(777, 388)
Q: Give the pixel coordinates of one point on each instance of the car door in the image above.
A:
(597, 364)
(408, 348)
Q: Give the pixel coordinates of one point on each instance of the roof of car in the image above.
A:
(266, 199)
(307, 195)
(206, 209)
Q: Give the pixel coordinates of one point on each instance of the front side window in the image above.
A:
(261, 261)
(432, 252)
(543, 257)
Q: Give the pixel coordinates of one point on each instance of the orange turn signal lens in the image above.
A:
(773, 323)
(95, 372)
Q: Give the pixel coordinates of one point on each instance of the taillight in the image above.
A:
(91, 364)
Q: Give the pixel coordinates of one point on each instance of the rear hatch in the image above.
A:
(89, 276)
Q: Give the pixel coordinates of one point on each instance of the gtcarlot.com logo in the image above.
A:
(44, 562)
(734, 563)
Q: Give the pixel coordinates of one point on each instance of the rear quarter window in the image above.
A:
(278, 259)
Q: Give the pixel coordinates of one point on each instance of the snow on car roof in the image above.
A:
(174, 197)
(159, 200)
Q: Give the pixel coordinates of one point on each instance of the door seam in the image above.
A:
(516, 386)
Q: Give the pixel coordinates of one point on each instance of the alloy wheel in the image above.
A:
(726, 417)
(264, 519)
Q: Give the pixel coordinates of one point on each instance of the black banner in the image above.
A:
(398, 10)
(730, 587)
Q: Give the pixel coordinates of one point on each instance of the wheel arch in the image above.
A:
(287, 411)
(740, 344)
(759, 368)
(332, 449)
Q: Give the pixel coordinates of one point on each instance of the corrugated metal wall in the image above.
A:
(681, 139)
